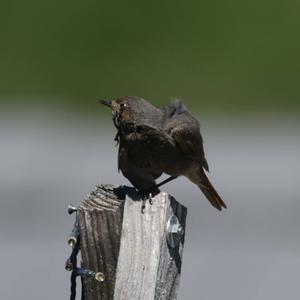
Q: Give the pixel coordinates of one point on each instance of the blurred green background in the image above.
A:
(226, 56)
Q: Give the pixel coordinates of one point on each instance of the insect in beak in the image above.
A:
(115, 120)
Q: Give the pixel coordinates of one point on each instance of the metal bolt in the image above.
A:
(72, 209)
(99, 276)
(72, 240)
(174, 232)
(69, 265)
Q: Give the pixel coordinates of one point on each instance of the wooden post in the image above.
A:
(136, 252)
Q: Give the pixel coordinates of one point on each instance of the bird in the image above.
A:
(155, 140)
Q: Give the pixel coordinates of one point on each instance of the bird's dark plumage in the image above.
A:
(156, 140)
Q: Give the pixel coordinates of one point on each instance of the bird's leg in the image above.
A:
(143, 205)
(147, 194)
(165, 181)
(154, 190)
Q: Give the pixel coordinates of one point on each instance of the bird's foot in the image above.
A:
(151, 199)
(144, 196)
(148, 194)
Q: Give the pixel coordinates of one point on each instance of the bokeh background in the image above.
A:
(235, 64)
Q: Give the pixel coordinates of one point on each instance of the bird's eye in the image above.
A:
(123, 105)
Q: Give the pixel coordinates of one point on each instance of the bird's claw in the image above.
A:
(147, 195)
(150, 199)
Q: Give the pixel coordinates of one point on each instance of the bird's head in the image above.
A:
(126, 110)
(118, 107)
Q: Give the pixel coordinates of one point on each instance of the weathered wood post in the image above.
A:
(140, 254)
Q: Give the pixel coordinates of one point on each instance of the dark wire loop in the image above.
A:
(73, 263)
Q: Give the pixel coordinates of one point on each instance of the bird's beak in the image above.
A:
(106, 102)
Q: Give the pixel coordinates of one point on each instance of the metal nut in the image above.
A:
(69, 266)
(174, 232)
(72, 241)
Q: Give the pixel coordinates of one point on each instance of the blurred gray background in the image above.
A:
(249, 251)
(234, 64)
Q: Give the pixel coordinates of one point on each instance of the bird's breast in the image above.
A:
(153, 155)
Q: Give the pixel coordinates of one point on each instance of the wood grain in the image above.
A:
(128, 246)
(100, 224)
(147, 267)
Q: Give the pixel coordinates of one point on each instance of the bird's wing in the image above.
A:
(187, 137)
(149, 134)
(143, 142)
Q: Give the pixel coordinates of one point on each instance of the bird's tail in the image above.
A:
(208, 190)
